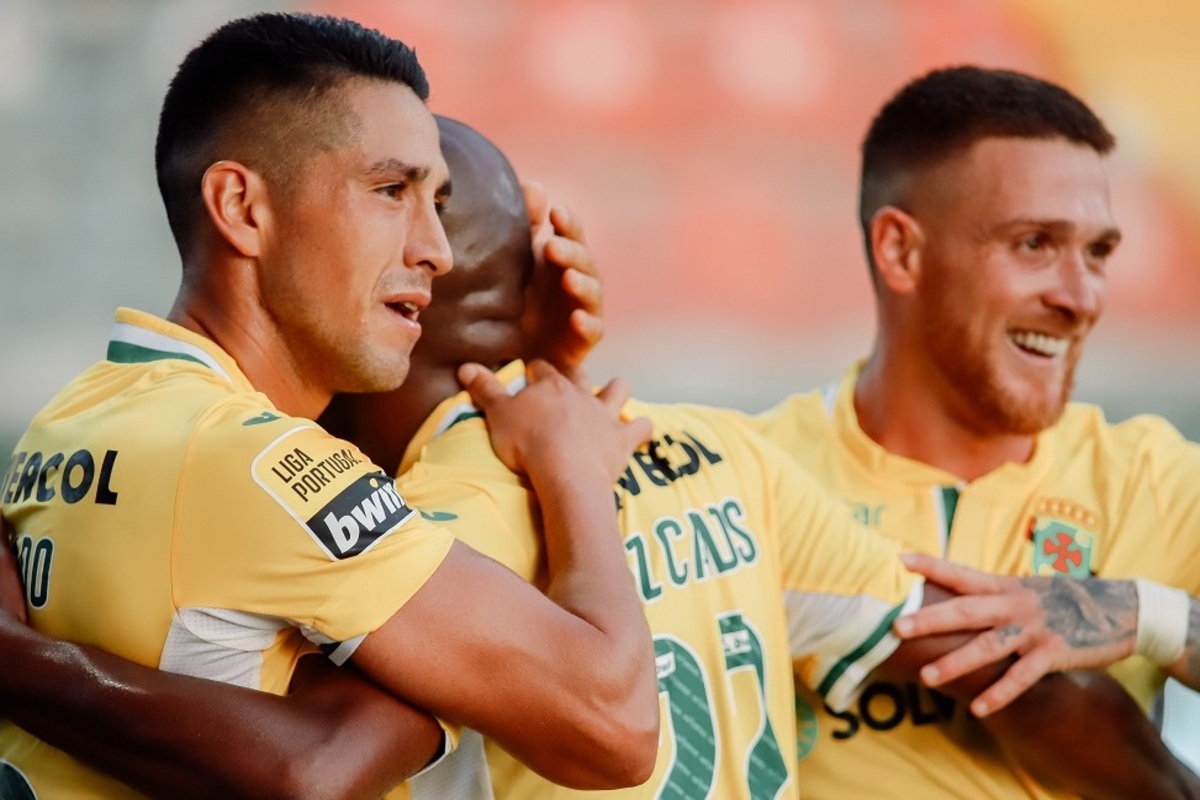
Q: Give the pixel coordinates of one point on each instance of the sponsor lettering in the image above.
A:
(663, 462)
(69, 478)
(306, 476)
(362, 514)
(692, 547)
(884, 706)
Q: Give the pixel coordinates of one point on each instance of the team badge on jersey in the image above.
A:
(1063, 535)
(344, 502)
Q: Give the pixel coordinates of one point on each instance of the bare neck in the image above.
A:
(229, 316)
(910, 413)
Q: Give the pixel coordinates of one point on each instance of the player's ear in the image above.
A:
(896, 242)
(235, 198)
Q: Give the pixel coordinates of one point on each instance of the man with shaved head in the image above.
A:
(176, 505)
(722, 534)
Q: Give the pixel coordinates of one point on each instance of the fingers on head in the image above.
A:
(566, 222)
(587, 327)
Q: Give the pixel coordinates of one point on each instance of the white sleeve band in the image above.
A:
(1162, 621)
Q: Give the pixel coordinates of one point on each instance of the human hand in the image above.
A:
(555, 424)
(1047, 624)
(565, 300)
(12, 591)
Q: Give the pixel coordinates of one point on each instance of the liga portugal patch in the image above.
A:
(1063, 537)
(343, 501)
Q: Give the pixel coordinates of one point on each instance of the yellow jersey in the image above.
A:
(164, 510)
(1117, 501)
(721, 531)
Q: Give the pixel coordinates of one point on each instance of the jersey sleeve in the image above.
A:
(843, 586)
(460, 484)
(276, 518)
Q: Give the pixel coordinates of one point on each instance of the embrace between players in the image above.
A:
(682, 647)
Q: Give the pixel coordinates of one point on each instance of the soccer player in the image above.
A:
(718, 527)
(174, 504)
(985, 214)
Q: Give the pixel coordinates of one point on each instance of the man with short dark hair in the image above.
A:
(985, 214)
(720, 527)
(175, 505)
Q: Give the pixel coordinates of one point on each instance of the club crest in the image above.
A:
(1063, 538)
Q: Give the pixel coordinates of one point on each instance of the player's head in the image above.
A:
(298, 150)
(985, 210)
(261, 89)
(943, 113)
(476, 310)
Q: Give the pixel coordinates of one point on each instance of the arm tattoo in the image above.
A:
(1089, 613)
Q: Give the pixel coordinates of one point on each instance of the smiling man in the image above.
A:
(985, 213)
(176, 505)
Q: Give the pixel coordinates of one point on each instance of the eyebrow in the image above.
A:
(389, 167)
(1112, 235)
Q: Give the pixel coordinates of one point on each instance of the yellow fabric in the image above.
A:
(718, 528)
(1117, 500)
(183, 503)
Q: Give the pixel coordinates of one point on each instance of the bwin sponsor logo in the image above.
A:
(361, 515)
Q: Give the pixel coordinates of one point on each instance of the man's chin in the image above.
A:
(381, 378)
(1031, 415)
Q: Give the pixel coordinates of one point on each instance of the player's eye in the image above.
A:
(1034, 242)
(393, 190)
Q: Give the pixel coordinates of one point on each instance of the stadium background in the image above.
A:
(710, 146)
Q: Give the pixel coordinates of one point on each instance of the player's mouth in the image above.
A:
(408, 306)
(407, 309)
(1039, 344)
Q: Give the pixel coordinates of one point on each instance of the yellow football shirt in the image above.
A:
(721, 530)
(1096, 499)
(165, 511)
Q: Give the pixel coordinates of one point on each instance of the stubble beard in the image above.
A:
(362, 369)
(349, 362)
(997, 406)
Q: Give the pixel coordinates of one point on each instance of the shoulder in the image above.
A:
(1085, 425)
(1144, 449)
(732, 429)
(800, 417)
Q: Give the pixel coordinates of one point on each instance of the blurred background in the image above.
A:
(710, 146)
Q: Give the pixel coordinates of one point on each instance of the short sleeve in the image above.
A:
(278, 518)
(843, 586)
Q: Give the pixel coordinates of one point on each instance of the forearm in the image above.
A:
(172, 736)
(588, 576)
(587, 571)
(1082, 732)
(1076, 731)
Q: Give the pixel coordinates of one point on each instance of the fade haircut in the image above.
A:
(948, 110)
(258, 91)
